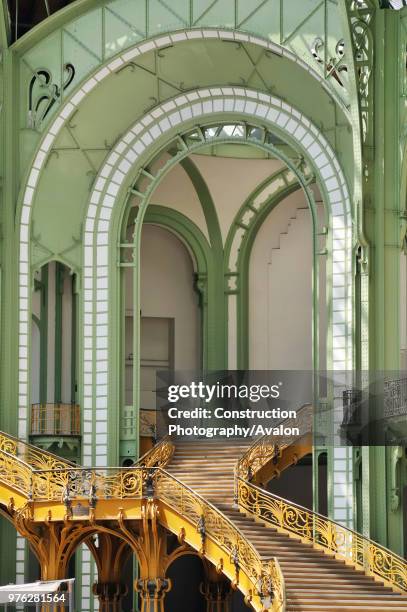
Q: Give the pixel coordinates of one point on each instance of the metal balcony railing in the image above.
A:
(395, 398)
(55, 420)
(390, 395)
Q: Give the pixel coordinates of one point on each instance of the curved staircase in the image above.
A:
(281, 556)
(314, 581)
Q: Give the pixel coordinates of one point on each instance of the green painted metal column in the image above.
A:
(383, 220)
(215, 344)
(44, 335)
(383, 224)
(59, 290)
(9, 275)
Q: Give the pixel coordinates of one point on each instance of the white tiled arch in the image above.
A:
(45, 146)
(114, 171)
(119, 167)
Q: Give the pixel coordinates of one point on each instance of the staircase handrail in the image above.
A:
(265, 575)
(324, 533)
(265, 448)
(67, 485)
(32, 455)
(15, 472)
(159, 455)
(88, 483)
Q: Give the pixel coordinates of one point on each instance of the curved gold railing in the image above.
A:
(92, 484)
(32, 455)
(265, 575)
(67, 485)
(265, 449)
(15, 473)
(76, 483)
(70, 483)
(158, 456)
(323, 533)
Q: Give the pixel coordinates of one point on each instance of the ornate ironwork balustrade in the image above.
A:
(55, 420)
(266, 449)
(323, 533)
(265, 575)
(395, 398)
(34, 457)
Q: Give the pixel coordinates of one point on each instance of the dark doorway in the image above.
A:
(186, 574)
(295, 483)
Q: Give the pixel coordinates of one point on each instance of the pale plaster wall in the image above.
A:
(280, 289)
(167, 290)
(231, 180)
(176, 191)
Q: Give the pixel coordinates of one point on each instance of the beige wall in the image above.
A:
(176, 191)
(231, 181)
(167, 290)
(280, 289)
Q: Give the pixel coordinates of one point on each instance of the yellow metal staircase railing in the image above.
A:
(265, 576)
(266, 449)
(40, 477)
(325, 534)
(83, 483)
(158, 456)
(32, 455)
(15, 473)
(70, 483)
(311, 527)
(264, 579)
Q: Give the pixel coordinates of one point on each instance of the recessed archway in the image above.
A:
(141, 139)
